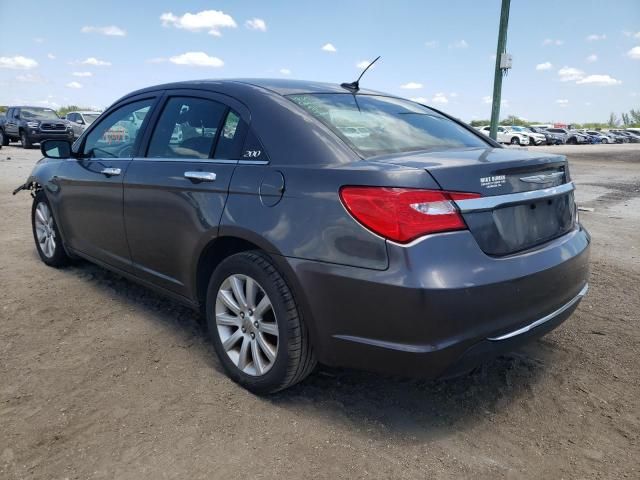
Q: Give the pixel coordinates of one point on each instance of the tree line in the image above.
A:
(625, 120)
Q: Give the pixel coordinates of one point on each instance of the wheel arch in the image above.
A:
(233, 240)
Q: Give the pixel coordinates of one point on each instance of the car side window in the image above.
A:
(187, 128)
(229, 145)
(71, 117)
(115, 135)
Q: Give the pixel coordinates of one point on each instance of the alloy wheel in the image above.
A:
(45, 231)
(246, 324)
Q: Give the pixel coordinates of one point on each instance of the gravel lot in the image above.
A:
(100, 378)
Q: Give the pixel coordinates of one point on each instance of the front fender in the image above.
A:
(42, 177)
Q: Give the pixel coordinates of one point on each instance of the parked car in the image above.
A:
(80, 120)
(534, 137)
(420, 249)
(601, 136)
(507, 135)
(569, 136)
(32, 125)
(550, 138)
(617, 138)
(630, 137)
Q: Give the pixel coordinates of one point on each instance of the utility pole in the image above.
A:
(503, 63)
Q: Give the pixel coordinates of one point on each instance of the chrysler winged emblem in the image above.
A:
(542, 178)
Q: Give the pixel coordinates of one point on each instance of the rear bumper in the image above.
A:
(442, 305)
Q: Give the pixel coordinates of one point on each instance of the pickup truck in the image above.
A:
(32, 125)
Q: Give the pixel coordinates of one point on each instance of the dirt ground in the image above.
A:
(100, 378)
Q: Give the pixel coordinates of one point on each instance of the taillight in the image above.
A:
(403, 214)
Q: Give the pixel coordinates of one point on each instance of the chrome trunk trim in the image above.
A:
(489, 203)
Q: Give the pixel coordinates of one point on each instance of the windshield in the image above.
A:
(376, 125)
(44, 113)
(90, 117)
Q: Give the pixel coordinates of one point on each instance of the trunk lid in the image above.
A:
(533, 201)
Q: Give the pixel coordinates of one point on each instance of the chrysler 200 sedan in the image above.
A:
(313, 223)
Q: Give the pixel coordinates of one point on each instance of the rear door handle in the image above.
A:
(200, 176)
(110, 171)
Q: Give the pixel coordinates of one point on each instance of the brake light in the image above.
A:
(403, 214)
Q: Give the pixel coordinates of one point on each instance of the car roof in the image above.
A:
(277, 85)
(84, 111)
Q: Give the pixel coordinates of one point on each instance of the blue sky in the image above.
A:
(574, 60)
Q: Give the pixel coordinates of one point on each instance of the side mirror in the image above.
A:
(80, 121)
(56, 149)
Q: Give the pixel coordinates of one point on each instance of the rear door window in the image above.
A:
(187, 128)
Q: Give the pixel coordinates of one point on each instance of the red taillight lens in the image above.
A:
(403, 214)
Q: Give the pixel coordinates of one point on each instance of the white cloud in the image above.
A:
(328, 47)
(157, 60)
(256, 24)
(109, 30)
(364, 64)
(631, 34)
(38, 40)
(93, 61)
(196, 59)
(51, 56)
(601, 80)
(18, 62)
(634, 53)
(568, 74)
(82, 74)
(551, 41)
(487, 100)
(592, 58)
(74, 85)
(210, 20)
(431, 44)
(594, 37)
(419, 99)
(47, 103)
(544, 66)
(285, 71)
(440, 98)
(29, 78)
(563, 102)
(459, 44)
(453, 94)
(411, 86)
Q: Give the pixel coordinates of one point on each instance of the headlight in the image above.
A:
(33, 124)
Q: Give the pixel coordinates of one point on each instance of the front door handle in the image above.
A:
(200, 176)
(110, 171)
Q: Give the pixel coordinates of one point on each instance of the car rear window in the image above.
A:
(377, 125)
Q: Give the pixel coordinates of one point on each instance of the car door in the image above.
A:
(501, 135)
(175, 192)
(11, 127)
(90, 187)
(74, 121)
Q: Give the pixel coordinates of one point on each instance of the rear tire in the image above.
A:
(239, 325)
(26, 143)
(46, 234)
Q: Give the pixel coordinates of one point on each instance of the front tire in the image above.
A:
(4, 140)
(255, 325)
(515, 141)
(26, 143)
(46, 233)
(605, 141)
